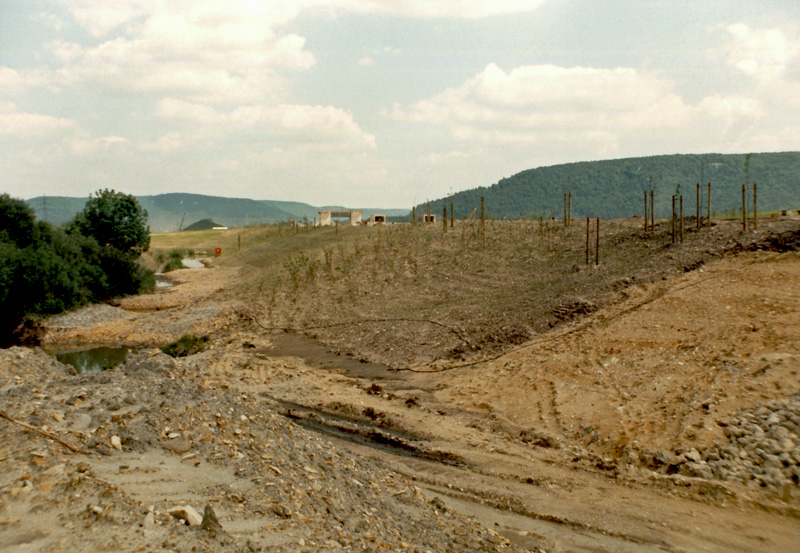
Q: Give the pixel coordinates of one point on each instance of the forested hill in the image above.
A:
(613, 189)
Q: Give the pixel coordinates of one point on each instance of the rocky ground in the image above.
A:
(158, 447)
(662, 417)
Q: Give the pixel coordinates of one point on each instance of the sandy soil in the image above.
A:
(663, 419)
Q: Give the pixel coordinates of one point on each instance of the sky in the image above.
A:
(379, 103)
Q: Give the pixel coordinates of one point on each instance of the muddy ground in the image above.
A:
(648, 404)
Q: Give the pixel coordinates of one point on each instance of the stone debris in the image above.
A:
(187, 514)
(268, 487)
(210, 523)
(763, 449)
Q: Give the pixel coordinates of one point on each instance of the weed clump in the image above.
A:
(188, 344)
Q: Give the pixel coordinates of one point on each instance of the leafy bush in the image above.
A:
(46, 270)
(188, 344)
(172, 265)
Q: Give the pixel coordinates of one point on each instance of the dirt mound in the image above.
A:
(204, 224)
(154, 438)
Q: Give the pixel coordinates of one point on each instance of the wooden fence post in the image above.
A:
(597, 245)
(697, 216)
(414, 215)
(744, 210)
(673, 219)
(569, 208)
(429, 213)
(755, 207)
(483, 222)
(587, 239)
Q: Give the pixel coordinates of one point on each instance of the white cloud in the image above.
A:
(88, 146)
(101, 17)
(528, 101)
(366, 62)
(310, 127)
(449, 157)
(761, 53)
(427, 9)
(580, 112)
(11, 82)
(14, 82)
(14, 122)
(204, 50)
(168, 143)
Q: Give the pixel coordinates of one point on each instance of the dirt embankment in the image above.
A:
(405, 296)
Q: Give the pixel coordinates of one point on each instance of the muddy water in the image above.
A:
(94, 359)
(319, 356)
(192, 263)
(160, 283)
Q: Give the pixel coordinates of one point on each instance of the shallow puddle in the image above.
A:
(192, 263)
(318, 355)
(92, 360)
(162, 283)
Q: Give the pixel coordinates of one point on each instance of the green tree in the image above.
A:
(114, 219)
(17, 221)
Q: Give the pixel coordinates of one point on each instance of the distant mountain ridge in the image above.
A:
(166, 211)
(613, 189)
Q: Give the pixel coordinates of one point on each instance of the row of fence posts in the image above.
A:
(677, 222)
(567, 211)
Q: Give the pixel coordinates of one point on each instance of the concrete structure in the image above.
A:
(429, 218)
(353, 214)
(377, 219)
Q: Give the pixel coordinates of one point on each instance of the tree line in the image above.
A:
(46, 269)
